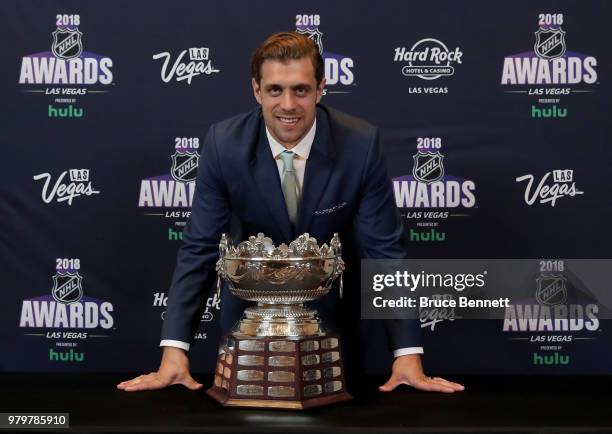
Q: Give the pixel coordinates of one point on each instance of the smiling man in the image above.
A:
(288, 167)
(287, 96)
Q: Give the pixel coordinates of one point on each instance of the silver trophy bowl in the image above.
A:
(280, 279)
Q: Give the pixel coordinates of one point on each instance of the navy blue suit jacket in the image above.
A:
(238, 190)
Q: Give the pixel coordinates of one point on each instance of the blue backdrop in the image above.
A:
(494, 119)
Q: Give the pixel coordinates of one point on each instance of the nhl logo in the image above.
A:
(428, 167)
(67, 43)
(549, 43)
(551, 290)
(315, 35)
(67, 287)
(184, 166)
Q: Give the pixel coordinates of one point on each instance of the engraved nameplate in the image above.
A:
(250, 375)
(248, 360)
(311, 359)
(332, 356)
(312, 390)
(329, 343)
(333, 386)
(251, 345)
(309, 345)
(281, 361)
(311, 374)
(281, 391)
(281, 376)
(332, 372)
(249, 389)
(282, 346)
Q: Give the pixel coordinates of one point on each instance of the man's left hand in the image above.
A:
(408, 370)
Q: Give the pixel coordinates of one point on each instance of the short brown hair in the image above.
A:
(286, 46)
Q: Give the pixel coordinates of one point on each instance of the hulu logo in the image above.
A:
(63, 356)
(431, 235)
(65, 112)
(553, 359)
(174, 235)
(554, 112)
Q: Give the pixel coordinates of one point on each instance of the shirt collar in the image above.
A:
(302, 149)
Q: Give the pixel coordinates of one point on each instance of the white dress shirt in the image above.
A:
(302, 151)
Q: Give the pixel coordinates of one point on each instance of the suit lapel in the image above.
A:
(265, 173)
(318, 169)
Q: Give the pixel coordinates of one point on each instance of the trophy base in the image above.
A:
(222, 397)
(279, 372)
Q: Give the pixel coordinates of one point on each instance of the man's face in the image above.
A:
(288, 94)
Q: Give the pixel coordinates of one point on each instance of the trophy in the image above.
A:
(279, 355)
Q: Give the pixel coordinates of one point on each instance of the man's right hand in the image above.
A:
(174, 369)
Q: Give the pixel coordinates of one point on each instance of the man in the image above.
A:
(289, 167)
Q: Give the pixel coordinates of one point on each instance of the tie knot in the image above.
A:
(287, 157)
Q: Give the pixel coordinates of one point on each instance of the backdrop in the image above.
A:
(494, 116)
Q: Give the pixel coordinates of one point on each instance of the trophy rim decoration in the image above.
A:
(304, 247)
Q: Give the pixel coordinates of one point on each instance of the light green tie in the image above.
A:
(290, 186)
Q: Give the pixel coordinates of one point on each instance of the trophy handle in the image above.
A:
(220, 266)
(338, 271)
(218, 291)
(336, 246)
